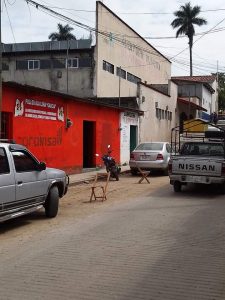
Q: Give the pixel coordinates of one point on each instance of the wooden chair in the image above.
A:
(144, 175)
(100, 186)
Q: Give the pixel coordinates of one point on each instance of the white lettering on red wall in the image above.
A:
(36, 109)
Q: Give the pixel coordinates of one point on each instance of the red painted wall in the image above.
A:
(50, 140)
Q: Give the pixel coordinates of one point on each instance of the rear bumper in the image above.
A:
(148, 165)
(196, 179)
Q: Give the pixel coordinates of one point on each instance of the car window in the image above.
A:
(4, 165)
(24, 162)
(205, 149)
(150, 146)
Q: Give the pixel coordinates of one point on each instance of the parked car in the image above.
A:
(26, 185)
(150, 156)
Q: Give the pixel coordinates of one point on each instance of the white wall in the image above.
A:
(151, 127)
(127, 119)
(134, 55)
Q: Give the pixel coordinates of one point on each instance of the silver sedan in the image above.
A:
(150, 156)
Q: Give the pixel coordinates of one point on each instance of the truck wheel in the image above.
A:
(222, 188)
(177, 186)
(52, 203)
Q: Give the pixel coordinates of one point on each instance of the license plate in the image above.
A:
(197, 179)
(145, 157)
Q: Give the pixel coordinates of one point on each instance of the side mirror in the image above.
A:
(41, 166)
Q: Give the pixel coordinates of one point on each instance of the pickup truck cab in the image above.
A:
(26, 185)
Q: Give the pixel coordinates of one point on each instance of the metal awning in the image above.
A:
(194, 105)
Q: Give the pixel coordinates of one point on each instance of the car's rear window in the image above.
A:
(150, 146)
(204, 149)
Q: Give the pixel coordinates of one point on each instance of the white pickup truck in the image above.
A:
(198, 162)
(26, 185)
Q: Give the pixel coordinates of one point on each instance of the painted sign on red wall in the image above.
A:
(32, 108)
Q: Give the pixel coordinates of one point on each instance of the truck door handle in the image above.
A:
(19, 182)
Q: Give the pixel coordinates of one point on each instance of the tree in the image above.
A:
(221, 91)
(185, 20)
(63, 34)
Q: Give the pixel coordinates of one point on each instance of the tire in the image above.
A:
(114, 174)
(133, 172)
(177, 187)
(222, 189)
(52, 203)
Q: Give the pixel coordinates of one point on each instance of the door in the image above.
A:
(31, 184)
(7, 182)
(88, 144)
(133, 137)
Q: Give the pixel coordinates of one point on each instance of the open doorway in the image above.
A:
(133, 137)
(6, 125)
(88, 144)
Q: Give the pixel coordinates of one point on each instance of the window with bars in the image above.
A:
(120, 72)
(108, 67)
(72, 62)
(34, 64)
(133, 78)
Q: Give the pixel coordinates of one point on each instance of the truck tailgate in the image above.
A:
(197, 166)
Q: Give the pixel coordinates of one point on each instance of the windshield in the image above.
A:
(150, 146)
(205, 149)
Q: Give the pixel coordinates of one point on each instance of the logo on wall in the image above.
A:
(37, 109)
(61, 114)
(19, 108)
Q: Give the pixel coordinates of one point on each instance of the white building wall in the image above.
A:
(124, 48)
(126, 120)
(153, 128)
(207, 99)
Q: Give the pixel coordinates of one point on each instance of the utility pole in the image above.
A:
(0, 70)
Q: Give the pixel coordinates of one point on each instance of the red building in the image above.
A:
(40, 120)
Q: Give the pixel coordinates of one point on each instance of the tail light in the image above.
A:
(159, 157)
(132, 156)
(223, 169)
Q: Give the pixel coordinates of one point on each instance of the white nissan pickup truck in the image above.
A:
(200, 162)
(26, 185)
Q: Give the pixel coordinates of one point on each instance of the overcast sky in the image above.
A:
(151, 19)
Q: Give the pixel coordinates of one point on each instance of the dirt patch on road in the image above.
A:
(77, 204)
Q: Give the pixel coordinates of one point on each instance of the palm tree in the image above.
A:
(63, 34)
(185, 20)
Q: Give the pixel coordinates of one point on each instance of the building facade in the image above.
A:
(38, 119)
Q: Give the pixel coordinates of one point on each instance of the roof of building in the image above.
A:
(160, 88)
(206, 80)
(200, 79)
(95, 101)
(47, 46)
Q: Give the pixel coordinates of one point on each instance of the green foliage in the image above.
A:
(63, 34)
(221, 91)
(185, 20)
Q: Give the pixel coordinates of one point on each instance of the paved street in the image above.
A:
(159, 245)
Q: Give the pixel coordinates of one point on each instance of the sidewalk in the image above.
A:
(89, 175)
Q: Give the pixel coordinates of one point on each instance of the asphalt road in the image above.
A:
(158, 246)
